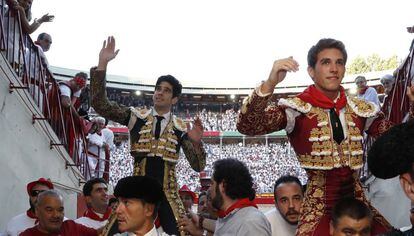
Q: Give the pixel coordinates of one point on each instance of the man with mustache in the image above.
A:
(324, 127)
(51, 213)
(288, 194)
(28, 219)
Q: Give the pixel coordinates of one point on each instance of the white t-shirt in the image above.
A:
(279, 225)
(109, 138)
(65, 91)
(19, 224)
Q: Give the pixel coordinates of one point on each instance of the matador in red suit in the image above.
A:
(325, 128)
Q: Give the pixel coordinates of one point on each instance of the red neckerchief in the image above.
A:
(91, 214)
(317, 99)
(157, 222)
(30, 214)
(362, 91)
(242, 203)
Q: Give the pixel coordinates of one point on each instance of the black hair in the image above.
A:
(82, 74)
(177, 87)
(286, 179)
(87, 188)
(352, 208)
(325, 44)
(42, 36)
(238, 183)
(144, 188)
(392, 153)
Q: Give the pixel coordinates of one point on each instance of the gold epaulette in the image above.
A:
(179, 124)
(296, 104)
(141, 113)
(363, 108)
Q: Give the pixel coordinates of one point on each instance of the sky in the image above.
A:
(218, 43)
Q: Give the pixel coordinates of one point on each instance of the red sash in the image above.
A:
(241, 203)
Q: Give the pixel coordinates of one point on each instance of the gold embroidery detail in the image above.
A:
(363, 108)
(170, 189)
(327, 154)
(165, 147)
(313, 205)
(296, 104)
(180, 124)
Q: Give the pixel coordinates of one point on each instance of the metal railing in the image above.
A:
(36, 81)
(397, 106)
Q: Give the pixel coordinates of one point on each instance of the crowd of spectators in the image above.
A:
(121, 163)
(218, 121)
(129, 99)
(266, 164)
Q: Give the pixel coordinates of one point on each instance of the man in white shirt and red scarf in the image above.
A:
(365, 92)
(96, 196)
(232, 194)
(325, 128)
(97, 150)
(28, 219)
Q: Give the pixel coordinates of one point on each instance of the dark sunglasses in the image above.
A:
(34, 193)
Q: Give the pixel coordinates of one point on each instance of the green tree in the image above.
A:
(358, 66)
(372, 63)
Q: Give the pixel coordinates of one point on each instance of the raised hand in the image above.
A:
(278, 73)
(46, 18)
(196, 133)
(107, 53)
(281, 67)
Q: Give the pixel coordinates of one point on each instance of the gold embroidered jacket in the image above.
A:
(155, 158)
(311, 136)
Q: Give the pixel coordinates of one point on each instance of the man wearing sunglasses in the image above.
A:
(28, 219)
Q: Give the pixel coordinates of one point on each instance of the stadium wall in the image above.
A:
(25, 153)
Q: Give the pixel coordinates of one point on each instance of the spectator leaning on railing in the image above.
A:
(24, 9)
